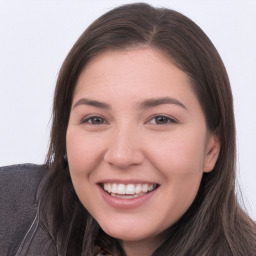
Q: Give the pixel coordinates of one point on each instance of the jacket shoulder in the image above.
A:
(18, 202)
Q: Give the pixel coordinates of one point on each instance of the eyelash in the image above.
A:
(89, 120)
(167, 120)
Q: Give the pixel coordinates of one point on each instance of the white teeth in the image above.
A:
(138, 189)
(150, 187)
(114, 188)
(124, 196)
(129, 189)
(145, 188)
(109, 188)
(120, 189)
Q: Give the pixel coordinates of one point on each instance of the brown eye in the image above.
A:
(162, 120)
(94, 120)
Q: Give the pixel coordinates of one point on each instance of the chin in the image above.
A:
(131, 236)
(129, 232)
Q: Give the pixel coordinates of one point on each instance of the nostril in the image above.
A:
(123, 158)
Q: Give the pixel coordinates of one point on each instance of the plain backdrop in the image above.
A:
(35, 37)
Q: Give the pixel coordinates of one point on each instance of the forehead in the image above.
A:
(131, 68)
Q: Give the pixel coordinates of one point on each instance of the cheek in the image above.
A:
(84, 154)
(180, 159)
(84, 151)
(180, 155)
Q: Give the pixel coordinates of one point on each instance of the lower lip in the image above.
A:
(126, 204)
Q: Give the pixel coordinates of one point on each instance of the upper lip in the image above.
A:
(125, 182)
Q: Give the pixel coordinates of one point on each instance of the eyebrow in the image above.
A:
(94, 103)
(148, 103)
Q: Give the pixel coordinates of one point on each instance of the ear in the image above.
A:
(212, 152)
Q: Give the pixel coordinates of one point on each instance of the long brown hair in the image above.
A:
(215, 224)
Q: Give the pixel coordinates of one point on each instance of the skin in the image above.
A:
(127, 141)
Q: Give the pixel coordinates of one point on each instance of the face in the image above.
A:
(137, 143)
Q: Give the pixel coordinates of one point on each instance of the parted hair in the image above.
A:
(215, 224)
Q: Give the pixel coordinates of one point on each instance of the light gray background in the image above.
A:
(35, 37)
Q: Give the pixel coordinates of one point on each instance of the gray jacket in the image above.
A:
(21, 233)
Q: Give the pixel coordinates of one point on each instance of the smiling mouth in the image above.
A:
(128, 191)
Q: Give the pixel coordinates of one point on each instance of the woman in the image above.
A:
(142, 152)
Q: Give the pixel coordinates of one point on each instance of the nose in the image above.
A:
(124, 149)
